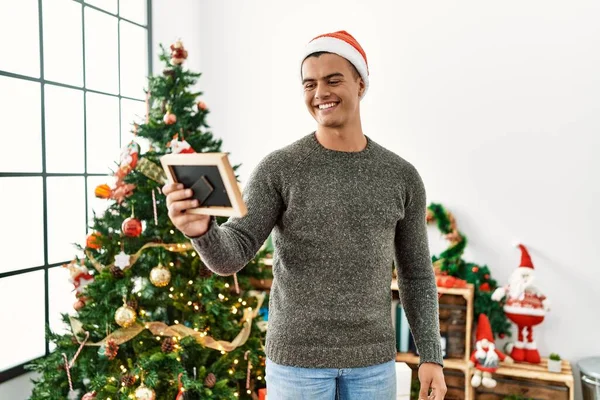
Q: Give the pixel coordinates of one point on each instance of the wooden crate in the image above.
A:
(530, 380)
(456, 369)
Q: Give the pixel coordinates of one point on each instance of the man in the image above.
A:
(342, 209)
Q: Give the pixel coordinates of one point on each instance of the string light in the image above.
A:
(221, 296)
(171, 289)
(171, 264)
(141, 342)
(235, 394)
(189, 303)
(227, 285)
(139, 294)
(249, 391)
(222, 351)
(230, 372)
(243, 303)
(170, 296)
(176, 322)
(259, 378)
(234, 310)
(190, 282)
(171, 231)
(240, 300)
(158, 338)
(235, 361)
(196, 307)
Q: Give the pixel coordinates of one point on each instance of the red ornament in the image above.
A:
(92, 241)
(202, 105)
(131, 227)
(170, 118)
(487, 276)
(484, 287)
(501, 335)
(475, 269)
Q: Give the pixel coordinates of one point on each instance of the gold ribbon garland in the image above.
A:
(174, 247)
(124, 335)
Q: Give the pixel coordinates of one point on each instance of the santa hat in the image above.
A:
(484, 329)
(344, 45)
(525, 258)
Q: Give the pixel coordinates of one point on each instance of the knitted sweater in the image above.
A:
(340, 220)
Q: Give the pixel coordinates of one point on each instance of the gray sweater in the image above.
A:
(339, 220)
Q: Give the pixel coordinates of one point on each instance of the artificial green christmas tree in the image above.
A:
(152, 320)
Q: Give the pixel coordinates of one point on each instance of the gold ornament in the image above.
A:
(144, 393)
(160, 276)
(125, 316)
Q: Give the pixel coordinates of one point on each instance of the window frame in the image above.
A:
(19, 370)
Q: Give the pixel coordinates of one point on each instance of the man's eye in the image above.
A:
(309, 86)
(334, 82)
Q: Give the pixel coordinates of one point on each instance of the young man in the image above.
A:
(342, 209)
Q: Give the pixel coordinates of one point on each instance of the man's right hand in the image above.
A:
(178, 201)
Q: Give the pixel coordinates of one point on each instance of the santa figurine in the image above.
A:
(524, 305)
(80, 278)
(486, 357)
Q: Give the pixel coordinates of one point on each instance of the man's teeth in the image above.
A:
(325, 106)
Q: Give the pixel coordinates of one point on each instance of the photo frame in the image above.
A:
(212, 179)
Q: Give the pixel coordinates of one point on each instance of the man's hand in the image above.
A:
(431, 377)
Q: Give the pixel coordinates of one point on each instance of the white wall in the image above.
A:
(18, 388)
(496, 103)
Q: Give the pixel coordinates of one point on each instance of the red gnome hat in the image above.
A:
(484, 329)
(525, 258)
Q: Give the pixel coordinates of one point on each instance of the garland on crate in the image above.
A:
(450, 263)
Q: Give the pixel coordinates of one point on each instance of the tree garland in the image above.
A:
(450, 262)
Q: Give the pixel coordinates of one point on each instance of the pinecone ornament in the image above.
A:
(167, 345)
(205, 272)
(133, 303)
(210, 380)
(112, 348)
(116, 272)
(128, 380)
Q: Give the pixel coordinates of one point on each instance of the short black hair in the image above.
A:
(318, 54)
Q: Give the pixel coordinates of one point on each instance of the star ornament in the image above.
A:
(122, 260)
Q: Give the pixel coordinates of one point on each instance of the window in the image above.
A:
(72, 75)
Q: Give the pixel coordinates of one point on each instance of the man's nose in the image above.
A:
(322, 92)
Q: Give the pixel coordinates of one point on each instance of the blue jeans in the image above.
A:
(376, 382)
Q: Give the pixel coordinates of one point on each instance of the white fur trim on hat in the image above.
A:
(342, 49)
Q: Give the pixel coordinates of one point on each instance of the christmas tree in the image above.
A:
(152, 320)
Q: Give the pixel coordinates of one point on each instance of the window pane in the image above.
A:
(64, 130)
(22, 235)
(26, 339)
(94, 203)
(132, 111)
(102, 133)
(63, 47)
(61, 298)
(133, 10)
(134, 60)
(19, 37)
(66, 217)
(20, 100)
(108, 5)
(101, 51)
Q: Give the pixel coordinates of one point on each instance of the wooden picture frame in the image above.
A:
(212, 179)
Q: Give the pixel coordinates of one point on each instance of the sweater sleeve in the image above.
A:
(416, 280)
(227, 248)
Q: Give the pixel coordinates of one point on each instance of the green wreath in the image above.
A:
(450, 262)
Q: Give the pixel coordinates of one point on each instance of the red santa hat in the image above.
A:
(525, 258)
(484, 329)
(344, 45)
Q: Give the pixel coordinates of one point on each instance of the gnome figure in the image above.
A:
(486, 357)
(524, 305)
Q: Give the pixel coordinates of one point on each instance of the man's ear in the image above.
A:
(361, 86)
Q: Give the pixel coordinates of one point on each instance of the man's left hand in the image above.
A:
(431, 377)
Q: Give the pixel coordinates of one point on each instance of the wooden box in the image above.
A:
(530, 381)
